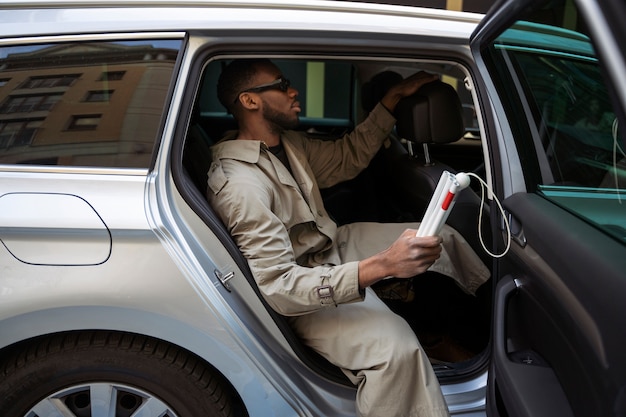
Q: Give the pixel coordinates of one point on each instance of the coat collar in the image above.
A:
(239, 150)
(249, 151)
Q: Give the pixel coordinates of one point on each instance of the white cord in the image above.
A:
(616, 147)
(483, 186)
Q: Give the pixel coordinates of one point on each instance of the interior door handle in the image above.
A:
(517, 230)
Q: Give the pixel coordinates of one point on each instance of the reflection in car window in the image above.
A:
(572, 147)
(93, 104)
(574, 116)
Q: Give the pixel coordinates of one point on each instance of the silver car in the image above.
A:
(122, 294)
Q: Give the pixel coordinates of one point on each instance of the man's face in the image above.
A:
(280, 108)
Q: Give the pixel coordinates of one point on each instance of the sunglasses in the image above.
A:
(281, 84)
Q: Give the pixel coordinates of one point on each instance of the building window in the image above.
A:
(85, 122)
(30, 103)
(4, 81)
(18, 132)
(50, 81)
(101, 95)
(112, 75)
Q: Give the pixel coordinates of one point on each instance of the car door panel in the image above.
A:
(553, 333)
(558, 323)
(527, 383)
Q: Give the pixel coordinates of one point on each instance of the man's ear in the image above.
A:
(249, 101)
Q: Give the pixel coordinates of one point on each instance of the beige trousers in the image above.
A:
(380, 354)
(375, 348)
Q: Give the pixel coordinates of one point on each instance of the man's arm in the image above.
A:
(336, 161)
(244, 205)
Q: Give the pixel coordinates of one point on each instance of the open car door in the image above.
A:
(553, 73)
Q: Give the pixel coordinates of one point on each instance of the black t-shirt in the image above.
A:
(279, 152)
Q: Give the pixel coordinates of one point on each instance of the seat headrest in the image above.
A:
(432, 115)
(375, 89)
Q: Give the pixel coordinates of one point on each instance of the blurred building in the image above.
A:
(79, 104)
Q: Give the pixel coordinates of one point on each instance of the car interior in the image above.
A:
(436, 131)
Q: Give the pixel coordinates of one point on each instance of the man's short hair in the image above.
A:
(235, 78)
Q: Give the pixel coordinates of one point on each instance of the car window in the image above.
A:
(569, 139)
(324, 90)
(329, 94)
(95, 104)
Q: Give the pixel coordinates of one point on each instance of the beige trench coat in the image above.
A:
(301, 261)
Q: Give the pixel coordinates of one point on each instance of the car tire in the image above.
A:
(79, 372)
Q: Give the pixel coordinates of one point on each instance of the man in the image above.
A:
(264, 183)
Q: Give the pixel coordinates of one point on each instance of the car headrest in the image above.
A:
(432, 115)
(376, 88)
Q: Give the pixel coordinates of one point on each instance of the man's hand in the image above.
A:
(405, 88)
(408, 256)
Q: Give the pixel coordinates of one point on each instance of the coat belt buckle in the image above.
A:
(325, 294)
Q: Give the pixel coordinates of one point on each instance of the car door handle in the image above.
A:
(517, 230)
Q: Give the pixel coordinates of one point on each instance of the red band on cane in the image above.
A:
(447, 201)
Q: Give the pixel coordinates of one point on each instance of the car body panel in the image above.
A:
(140, 288)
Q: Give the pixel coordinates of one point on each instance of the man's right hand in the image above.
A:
(405, 88)
(408, 256)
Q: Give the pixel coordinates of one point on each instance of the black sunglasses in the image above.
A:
(281, 84)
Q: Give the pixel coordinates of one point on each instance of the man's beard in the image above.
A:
(279, 121)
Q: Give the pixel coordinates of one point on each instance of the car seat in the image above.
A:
(197, 155)
(434, 115)
(364, 198)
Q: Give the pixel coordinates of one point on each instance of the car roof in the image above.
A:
(37, 18)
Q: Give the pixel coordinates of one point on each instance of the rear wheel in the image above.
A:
(93, 374)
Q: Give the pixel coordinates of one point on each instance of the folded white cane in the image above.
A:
(441, 202)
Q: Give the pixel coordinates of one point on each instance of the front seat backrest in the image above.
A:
(432, 115)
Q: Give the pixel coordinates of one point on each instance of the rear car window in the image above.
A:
(92, 104)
